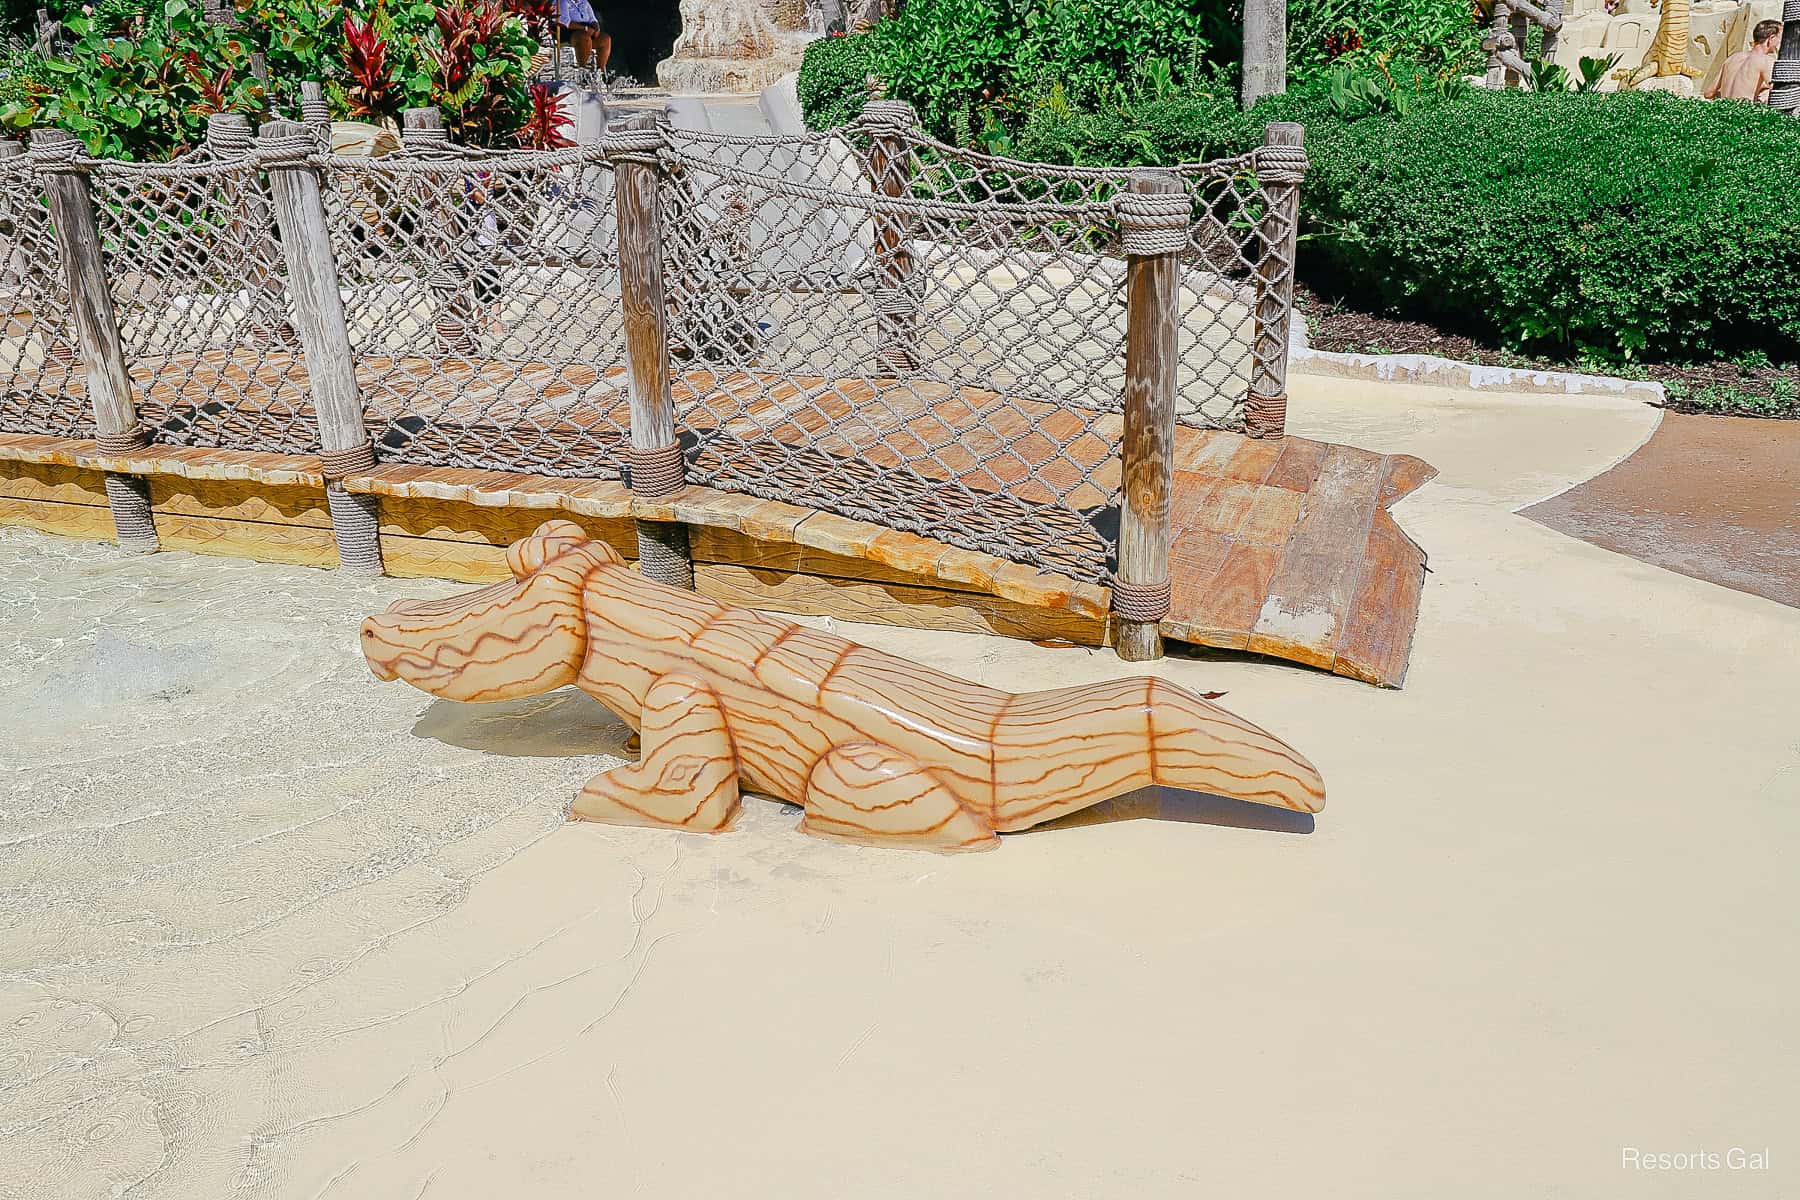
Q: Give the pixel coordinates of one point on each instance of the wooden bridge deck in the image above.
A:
(1281, 547)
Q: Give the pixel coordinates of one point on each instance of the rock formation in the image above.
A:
(741, 45)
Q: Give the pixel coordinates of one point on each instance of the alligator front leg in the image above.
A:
(867, 792)
(686, 777)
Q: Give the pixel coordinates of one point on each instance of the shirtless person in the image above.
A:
(1747, 73)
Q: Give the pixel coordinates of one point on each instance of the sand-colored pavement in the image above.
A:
(269, 928)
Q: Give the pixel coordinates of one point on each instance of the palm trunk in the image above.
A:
(1265, 49)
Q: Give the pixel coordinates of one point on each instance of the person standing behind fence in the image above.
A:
(1749, 74)
(581, 25)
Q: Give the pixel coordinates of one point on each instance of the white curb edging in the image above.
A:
(1448, 372)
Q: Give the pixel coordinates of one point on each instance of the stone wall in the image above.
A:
(742, 45)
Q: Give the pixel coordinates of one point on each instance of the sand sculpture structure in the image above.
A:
(873, 747)
(1668, 53)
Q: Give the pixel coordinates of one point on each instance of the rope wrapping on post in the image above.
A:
(643, 146)
(888, 116)
(428, 143)
(228, 135)
(129, 498)
(64, 153)
(1281, 164)
(127, 441)
(356, 527)
(276, 151)
(1154, 222)
(663, 554)
(1265, 416)
(661, 471)
(1146, 602)
(349, 460)
(314, 108)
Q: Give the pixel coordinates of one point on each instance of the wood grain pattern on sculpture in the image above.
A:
(873, 747)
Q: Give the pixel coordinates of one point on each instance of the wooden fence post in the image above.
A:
(344, 443)
(657, 465)
(456, 322)
(1280, 166)
(54, 155)
(314, 110)
(1154, 216)
(889, 123)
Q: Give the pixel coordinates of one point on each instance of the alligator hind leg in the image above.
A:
(687, 775)
(867, 792)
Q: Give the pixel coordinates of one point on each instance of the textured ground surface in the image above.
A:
(1713, 497)
(269, 928)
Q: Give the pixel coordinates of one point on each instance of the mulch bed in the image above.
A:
(1722, 388)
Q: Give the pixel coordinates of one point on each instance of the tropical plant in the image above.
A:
(1548, 76)
(370, 90)
(548, 126)
(478, 62)
(1594, 71)
(141, 88)
(538, 17)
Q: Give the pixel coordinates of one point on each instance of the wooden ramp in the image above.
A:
(1285, 547)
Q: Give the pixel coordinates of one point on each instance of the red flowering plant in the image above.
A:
(548, 126)
(370, 91)
(1342, 42)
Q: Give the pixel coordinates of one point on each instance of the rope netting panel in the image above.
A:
(1233, 231)
(42, 385)
(882, 325)
(199, 287)
(482, 298)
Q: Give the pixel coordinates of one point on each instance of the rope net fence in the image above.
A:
(198, 280)
(906, 332)
(865, 321)
(482, 300)
(42, 385)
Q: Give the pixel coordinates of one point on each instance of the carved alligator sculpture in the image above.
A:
(873, 747)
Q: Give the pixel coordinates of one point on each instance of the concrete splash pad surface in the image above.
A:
(270, 928)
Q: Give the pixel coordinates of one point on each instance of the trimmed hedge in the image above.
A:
(833, 79)
(1615, 226)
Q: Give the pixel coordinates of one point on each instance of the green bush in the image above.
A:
(1619, 226)
(973, 65)
(1612, 227)
(136, 90)
(1440, 36)
(832, 79)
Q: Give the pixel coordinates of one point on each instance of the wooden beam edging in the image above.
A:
(1280, 166)
(344, 446)
(657, 465)
(1154, 215)
(56, 158)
